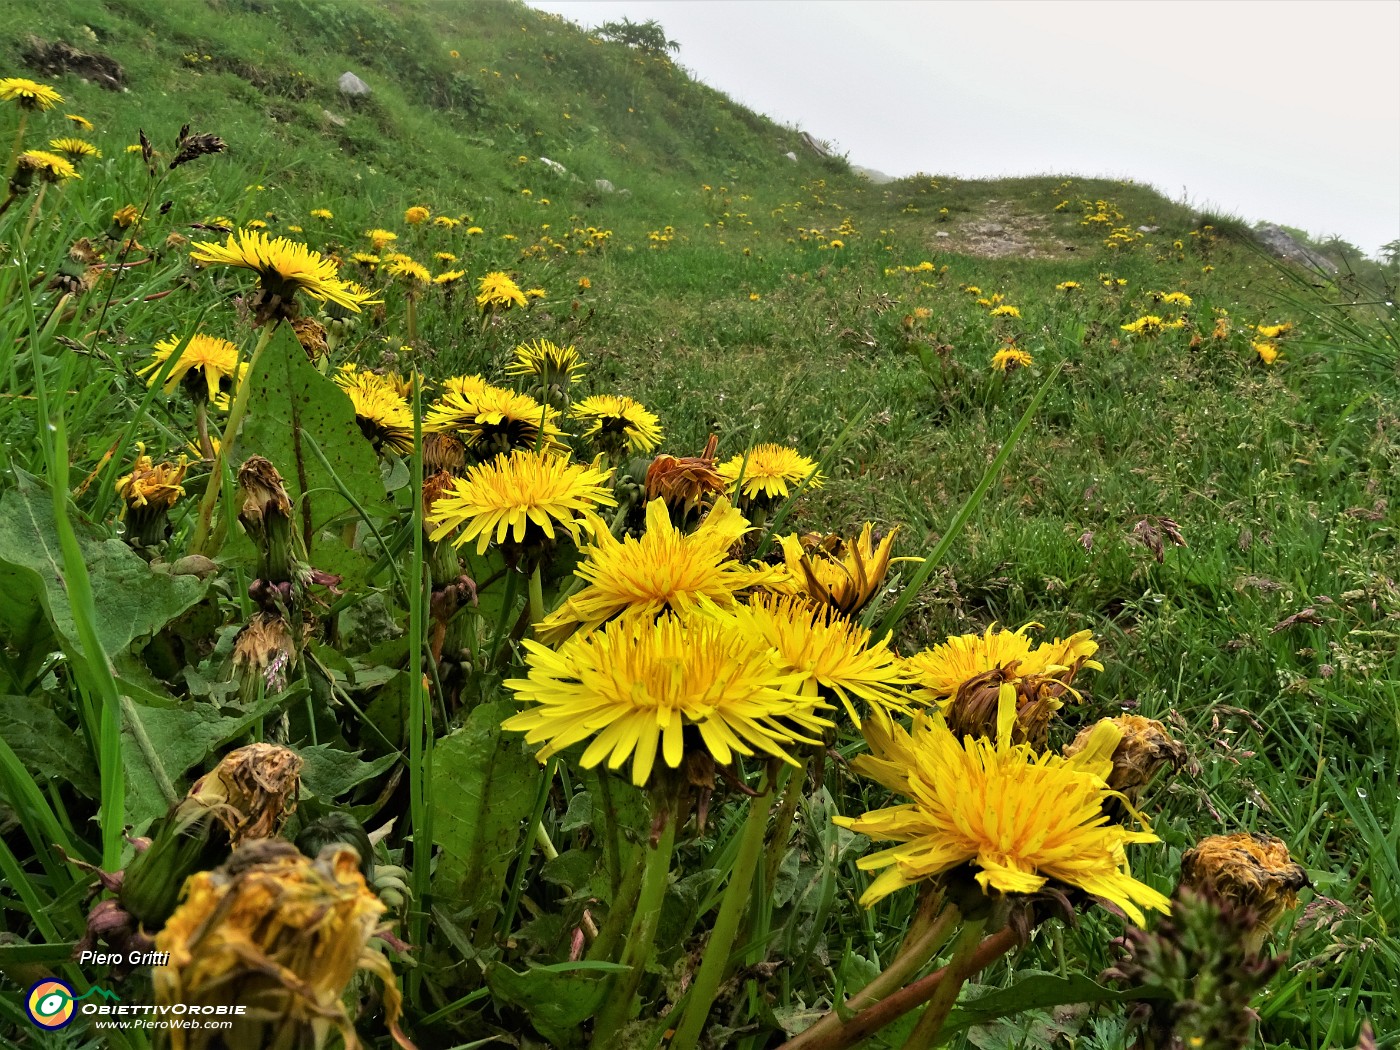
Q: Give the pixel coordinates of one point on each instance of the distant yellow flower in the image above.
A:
(381, 239)
(284, 268)
(416, 215)
(768, 470)
(1268, 352)
(321, 213)
(1146, 325)
(76, 150)
(664, 569)
(1022, 820)
(498, 292)
(1005, 310)
(517, 495)
(81, 123)
(27, 94)
(206, 358)
(1010, 358)
(617, 424)
(643, 688)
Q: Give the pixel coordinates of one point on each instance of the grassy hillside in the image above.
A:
(1205, 482)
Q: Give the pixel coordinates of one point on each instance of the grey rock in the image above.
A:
(604, 186)
(353, 86)
(1281, 244)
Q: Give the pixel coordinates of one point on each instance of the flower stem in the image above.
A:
(235, 420)
(737, 894)
(959, 969)
(641, 938)
(827, 1033)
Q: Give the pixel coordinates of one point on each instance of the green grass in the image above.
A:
(717, 299)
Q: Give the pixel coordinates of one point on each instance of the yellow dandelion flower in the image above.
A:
(207, 358)
(664, 569)
(383, 415)
(416, 215)
(639, 688)
(76, 150)
(842, 573)
(381, 239)
(1010, 358)
(81, 123)
(27, 94)
(834, 656)
(50, 167)
(515, 496)
(1021, 819)
(492, 419)
(553, 365)
(766, 471)
(283, 267)
(617, 424)
(499, 292)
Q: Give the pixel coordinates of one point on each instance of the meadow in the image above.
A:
(516, 560)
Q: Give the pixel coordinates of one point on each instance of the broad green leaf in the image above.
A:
(289, 401)
(483, 790)
(132, 601)
(329, 772)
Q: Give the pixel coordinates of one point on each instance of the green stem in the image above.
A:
(960, 967)
(737, 895)
(235, 420)
(641, 938)
(909, 961)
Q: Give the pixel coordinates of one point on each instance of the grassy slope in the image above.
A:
(719, 301)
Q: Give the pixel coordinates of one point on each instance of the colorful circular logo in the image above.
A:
(50, 1005)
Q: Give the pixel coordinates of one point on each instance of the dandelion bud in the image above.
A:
(266, 514)
(1252, 871)
(1145, 748)
(149, 491)
(281, 934)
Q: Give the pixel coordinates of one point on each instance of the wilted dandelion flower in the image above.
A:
(383, 415)
(835, 657)
(207, 365)
(1020, 818)
(28, 94)
(842, 573)
(639, 579)
(281, 934)
(416, 215)
(767, 471)
(499, 292)
(556, 367)
(523, 499)
(284, 268)
(1010, 358)
(617, 424)
(672, 685)
(76, 150)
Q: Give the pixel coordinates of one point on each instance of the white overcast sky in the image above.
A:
(1286, 110)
